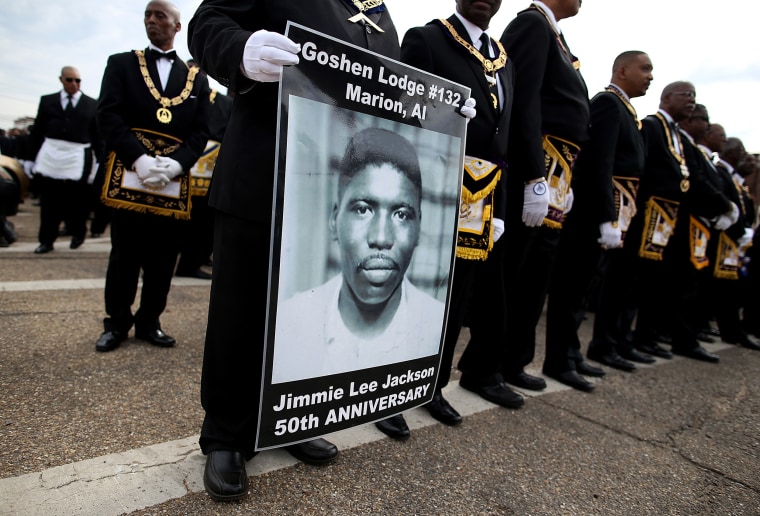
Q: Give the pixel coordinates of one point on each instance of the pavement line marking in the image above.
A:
(143, 477)
(78, 284)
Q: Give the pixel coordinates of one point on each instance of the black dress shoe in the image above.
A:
(394, 427)
(587, 369)
(572, 379)
(613, 360)
(698, 353)
(156, 337)
(498, 393)
(665, 339)
(224, 476)
(316, 451)
(704, 337)
(197, 273)
(526, 381)
(110, 340)
(635, 355)
(76, 243)
(655, 350)
(96, 235)
(43, 248)
(715, 332)
(746, 342)
(442, 410)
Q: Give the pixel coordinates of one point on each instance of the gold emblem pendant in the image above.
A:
(164, 115)
(684, 185)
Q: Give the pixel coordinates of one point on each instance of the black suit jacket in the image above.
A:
(53, 122)
(126, 103)
(550, 94)
(217, 33)
(433, 49)
(615, 148)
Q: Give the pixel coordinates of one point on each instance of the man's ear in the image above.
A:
(334, 223)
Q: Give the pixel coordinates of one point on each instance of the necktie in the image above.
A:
(156, 54)
(70, 105)
(485, 45)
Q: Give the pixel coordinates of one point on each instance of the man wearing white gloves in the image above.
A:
(550, 120)
(605, 181)
(153, 114)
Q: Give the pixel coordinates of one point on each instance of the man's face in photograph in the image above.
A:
(377, 226)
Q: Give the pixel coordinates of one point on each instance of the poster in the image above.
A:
(367, 187)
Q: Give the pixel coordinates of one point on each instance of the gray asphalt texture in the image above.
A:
(680, 437)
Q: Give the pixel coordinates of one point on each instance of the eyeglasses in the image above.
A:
(687, 94)
(72, 79)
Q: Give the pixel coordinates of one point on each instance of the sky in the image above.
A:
(715, 47)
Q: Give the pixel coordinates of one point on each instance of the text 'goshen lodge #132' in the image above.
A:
(354, 93)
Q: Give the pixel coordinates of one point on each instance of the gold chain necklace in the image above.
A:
(365, 6)
(679, 156)
(489, 66)
(575, 62)
(163, 113)
(626, 103)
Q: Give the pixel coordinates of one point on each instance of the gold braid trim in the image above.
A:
(626, 103)
(470, 198)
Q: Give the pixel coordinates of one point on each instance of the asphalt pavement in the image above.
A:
(86, 433)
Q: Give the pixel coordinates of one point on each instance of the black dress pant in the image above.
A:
(580, 260)
(485, 309)
(62, 200)
(144, 242)
(529, 260)
(198, 237)
(235, 335)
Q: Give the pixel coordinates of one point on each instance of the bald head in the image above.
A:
(162, 23)
(678, 100)
(632, 73)
(70, 79)
(715, 138)
(733, 151)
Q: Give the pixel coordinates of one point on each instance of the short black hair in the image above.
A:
(377, 146)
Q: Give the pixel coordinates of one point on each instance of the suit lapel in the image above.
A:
(176, 80)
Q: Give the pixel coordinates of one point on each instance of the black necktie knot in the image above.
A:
(157, 54)
(70, 104)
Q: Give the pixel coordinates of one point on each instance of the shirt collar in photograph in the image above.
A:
(549, 13)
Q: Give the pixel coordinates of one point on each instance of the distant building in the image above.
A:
(23, 122)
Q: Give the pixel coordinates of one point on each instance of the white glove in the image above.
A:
(167, 166)
(610, 237)
(498, 229)
(142, 166)
(29, 168)
(266, 53)
(468, 109)
(726, 220)
(156, 180)
(569, 199)
(745, 239)
(535, 204)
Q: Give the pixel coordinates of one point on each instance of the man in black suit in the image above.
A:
(549, 125)
(153, 113)
(63, 150)
(459, 49)
(605, 180)
(240, 44)
(674, 199)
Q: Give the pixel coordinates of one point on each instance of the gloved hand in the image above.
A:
(29, 168)
(569, 199)
(142, 166)
(156, 180)
(726, 220)
(610, 237)
(266, 53)
(535, 203)
(167, 166)
(498, 229)
(468, 109)
(745, 239)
